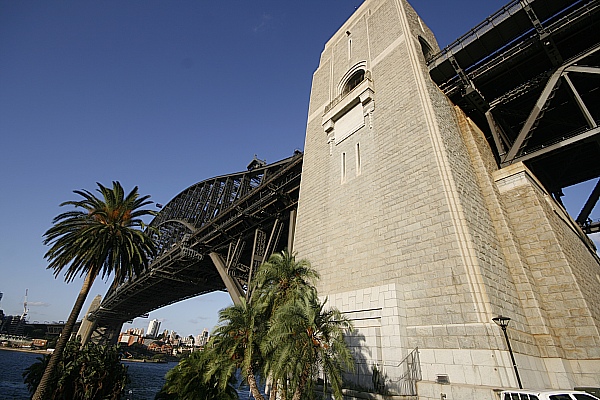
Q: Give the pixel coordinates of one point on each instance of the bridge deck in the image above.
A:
(500, 72)
(220, 215)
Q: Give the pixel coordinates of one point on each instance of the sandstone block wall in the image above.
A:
(420, 239)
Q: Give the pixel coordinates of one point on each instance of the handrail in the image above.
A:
(411, 367)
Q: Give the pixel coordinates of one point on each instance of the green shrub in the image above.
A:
(189, 380)
(91, 372)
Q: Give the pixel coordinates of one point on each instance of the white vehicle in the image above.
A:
(545, 395)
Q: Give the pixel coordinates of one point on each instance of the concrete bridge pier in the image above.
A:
(107, 333)
(87, 324)
(99, 333)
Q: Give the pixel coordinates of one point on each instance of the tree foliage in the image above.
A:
(282, 280)
(84, 373)
(284, 332)
(100, 236)
(235, 344)
(189, 380)
(304, 340)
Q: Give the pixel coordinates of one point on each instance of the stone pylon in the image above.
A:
(421, 239)
(87, 326)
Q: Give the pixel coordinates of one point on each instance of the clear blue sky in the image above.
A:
(158, 94)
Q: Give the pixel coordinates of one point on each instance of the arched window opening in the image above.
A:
(354, 81)
(426, 49)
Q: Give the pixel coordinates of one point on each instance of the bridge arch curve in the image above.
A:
(210, 237)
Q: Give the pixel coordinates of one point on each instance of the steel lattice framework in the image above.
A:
(529, 77)
(239, 218)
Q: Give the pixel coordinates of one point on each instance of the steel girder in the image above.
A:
(529, 77)
(240, 218)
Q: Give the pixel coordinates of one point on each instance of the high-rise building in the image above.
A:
(153, 328)
(202, 338)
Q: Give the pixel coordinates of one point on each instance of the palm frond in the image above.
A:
(100, 235)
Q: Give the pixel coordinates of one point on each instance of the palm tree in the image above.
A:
(281, 280)
(98, 237)
(304, 339)
(283, 332)
(189, 381)
(235, 344)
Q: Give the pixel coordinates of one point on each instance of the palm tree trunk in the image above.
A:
(284, 389)
(301, 385)
(273, 392)
(41, 390)
(253, 385)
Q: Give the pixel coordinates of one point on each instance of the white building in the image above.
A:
(202, 338)
(153, 328)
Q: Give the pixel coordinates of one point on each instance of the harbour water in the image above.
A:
(12, 365)
(146, 378)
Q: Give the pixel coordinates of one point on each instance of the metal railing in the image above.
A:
(377, 379)
(410, 368)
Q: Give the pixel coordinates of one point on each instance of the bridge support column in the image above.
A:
(291, 231)
(87, 326)
(234, 289)
(106, 334)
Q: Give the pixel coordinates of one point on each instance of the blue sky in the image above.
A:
(158, 94)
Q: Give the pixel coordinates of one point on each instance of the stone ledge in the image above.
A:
(355, 394)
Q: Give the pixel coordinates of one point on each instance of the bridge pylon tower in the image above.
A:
(421, 237)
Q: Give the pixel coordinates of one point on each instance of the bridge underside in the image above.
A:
(237, 220)
(529, 77)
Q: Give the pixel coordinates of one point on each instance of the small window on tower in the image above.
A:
(426, 49)
(358, 166)
(343, 167)
(349, 48)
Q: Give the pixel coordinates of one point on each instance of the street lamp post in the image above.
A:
(502, 322)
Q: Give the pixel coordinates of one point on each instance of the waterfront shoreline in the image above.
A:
(33, 351)
(141, 360)
(40, 351)
(146, 378)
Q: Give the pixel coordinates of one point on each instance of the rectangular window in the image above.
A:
(358, 159)
(343, 167)
(349, 48)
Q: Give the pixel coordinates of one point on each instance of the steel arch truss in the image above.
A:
(514, 150)
(211, 237)
(529, 77)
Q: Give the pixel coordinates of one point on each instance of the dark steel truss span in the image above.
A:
(239, 218)
(529, 77)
